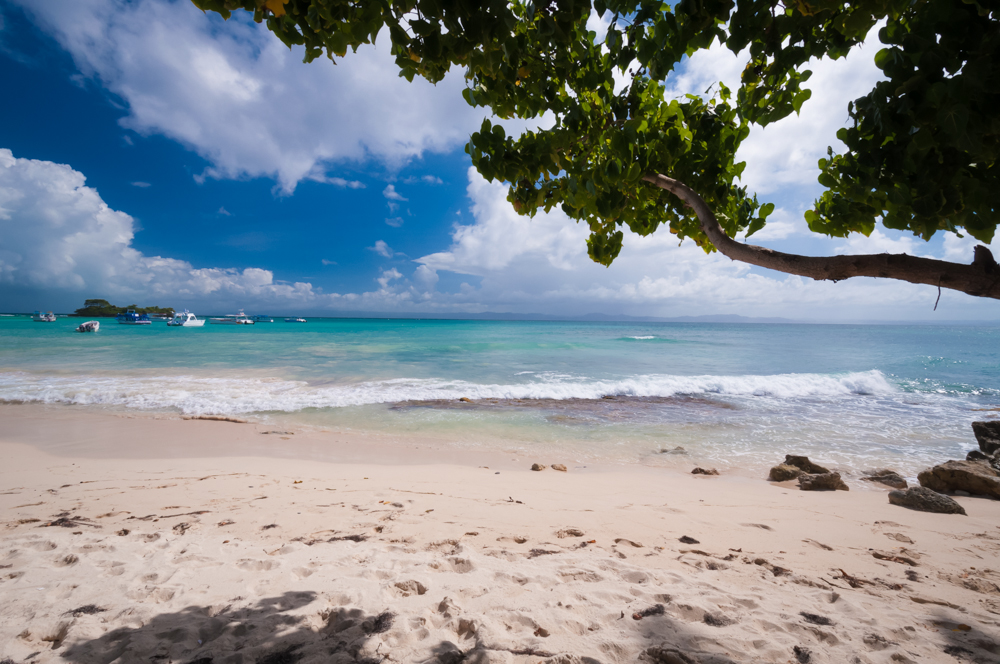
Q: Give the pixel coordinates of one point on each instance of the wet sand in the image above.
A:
(161, 540)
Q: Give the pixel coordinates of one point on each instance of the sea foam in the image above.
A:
(204, 395)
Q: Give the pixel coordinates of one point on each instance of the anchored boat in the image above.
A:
(132, 318)
(185, 319)
(232, 319)
(89, 326)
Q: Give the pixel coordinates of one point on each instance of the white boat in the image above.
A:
(47, 317)
(185, 319)
(232, 319)
(260, 318)
(159, 317)
(89, 326)
(295, 320)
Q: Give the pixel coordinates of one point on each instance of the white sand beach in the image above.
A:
(157, 539)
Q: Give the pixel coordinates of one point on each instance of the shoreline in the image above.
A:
(204, 552)
(77, 428)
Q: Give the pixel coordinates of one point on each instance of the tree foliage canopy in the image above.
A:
(922, 145)
(97, 308)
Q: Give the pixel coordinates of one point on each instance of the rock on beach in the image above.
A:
(976, 477)
(923, 499)
(988, 436)
(822, 482)
(887, 477)
(783, 472)
(805, 464)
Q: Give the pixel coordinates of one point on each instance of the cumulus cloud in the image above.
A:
(423, 179)
(391, 194)
(540, 264)
(786, 152)
(382, 249)
(211, 84)
(57, 233)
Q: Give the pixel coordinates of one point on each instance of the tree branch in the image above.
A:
(981, 278)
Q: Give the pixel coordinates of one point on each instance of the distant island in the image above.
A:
(104, 309)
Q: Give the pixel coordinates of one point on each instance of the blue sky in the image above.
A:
(159, 155)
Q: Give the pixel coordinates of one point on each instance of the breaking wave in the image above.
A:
(202, 395)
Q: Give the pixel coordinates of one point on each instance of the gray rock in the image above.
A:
(887, 477)
(805, 464)
(976, 477)
(822, 482)
(993, 460)
(923, 499)
(783, 472)
(988, 435)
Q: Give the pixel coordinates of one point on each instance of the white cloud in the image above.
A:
(335, 181)
(388, 276)
(883, 242)
(780, 225)
(328, 262)
(382, 249)
(57, 233)
(959, 249)
(540, 264)
(425, 277)
(391, 194)
(246, 103)
(141, 185)
(395, 222)
(224, 212)
(424, 179)
(786, 152)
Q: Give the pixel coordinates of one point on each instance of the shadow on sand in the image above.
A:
(280, 630)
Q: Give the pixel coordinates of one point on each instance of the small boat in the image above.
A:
(232, 319)
(159, 317)
(185, 319)
(260, 318)
(295, 320)
(132, 318)
(89, 326)
(47, 317)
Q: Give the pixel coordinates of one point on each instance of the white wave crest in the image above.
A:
(198, 395)
(643, 338)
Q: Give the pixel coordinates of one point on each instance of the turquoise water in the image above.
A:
(731, 395)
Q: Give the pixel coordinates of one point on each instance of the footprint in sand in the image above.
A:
(757, 525)
(257, 565)
(899, 537)
(447, 547)
(409, 587)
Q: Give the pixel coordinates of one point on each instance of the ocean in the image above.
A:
(733, 396)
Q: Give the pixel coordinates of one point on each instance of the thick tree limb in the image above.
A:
(981, 278)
